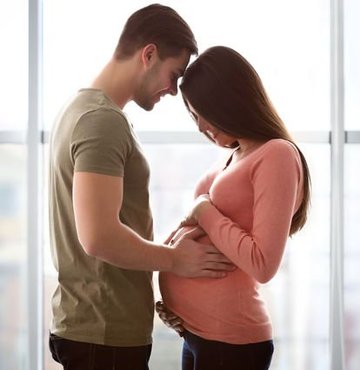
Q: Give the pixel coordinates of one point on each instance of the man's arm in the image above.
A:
(97, 200)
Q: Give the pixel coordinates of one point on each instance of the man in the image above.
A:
(100, 220)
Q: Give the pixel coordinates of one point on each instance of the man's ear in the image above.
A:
(149, 54)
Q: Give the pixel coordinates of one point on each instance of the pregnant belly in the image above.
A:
(184, 295)
(214, 308)
(188, 298)
(227, 309)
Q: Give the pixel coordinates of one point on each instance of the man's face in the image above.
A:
(161, 78)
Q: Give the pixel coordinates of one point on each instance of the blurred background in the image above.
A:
(308, 56)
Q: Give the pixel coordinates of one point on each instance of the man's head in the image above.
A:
(159, 25)
(158, 77)
(160, 44)
(152, 53)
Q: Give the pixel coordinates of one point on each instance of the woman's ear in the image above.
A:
(149, 54)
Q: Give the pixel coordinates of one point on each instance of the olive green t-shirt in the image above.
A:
(94, 301)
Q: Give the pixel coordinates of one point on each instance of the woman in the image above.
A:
(248, 207)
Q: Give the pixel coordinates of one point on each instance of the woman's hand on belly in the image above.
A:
(169, 318)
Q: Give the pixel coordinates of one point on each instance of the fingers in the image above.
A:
(219, 266)
(212, 274)
(159, 306)
(170, 237)
(214, 255)
(165, 314)
(216, 264)
(194, 233)
(171, 321)
(205, 196)
(211, 249)
(176, 235)
(193, 259)
(188, 221)
(169, 318)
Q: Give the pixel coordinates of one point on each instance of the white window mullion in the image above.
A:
(34, 253)
(337, 186)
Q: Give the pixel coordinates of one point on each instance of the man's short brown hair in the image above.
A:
(160, 25)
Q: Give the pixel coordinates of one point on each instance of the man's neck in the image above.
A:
(116, 80)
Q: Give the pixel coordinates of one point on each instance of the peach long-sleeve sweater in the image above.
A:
(255, 199)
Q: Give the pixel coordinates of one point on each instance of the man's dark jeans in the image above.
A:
(88, 356)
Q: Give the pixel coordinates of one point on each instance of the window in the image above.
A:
(293, 50)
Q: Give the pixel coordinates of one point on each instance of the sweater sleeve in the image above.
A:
(276, 178)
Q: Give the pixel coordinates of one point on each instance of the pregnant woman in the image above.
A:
(248, 207)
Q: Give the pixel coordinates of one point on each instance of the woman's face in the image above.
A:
(217, 136)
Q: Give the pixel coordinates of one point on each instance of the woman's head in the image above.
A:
(224, 89)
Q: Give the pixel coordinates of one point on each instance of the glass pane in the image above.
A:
(14, 64)
(62, 54)
(12, 257)
(293, 64)
(352, 257)
(292, 60)
(175, 169)
(352, 64)
(50, 276)
(299, 294)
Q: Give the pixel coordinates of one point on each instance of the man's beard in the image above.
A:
(144, 98)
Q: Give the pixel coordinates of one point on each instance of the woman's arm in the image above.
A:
(276, 181)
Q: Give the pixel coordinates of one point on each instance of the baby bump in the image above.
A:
(195, 299)
(186, 296)
(182, 292)
(211, 307)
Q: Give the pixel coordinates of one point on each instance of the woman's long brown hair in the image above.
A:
(225, 89)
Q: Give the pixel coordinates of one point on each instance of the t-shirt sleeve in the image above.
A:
(101, 142)
(276, 179)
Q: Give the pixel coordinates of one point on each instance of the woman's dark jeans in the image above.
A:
(87, 356)
(202, 354)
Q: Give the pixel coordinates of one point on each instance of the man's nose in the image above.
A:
(202, 126)
(173, 89)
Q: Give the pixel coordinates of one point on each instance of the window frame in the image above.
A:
(34, 138)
